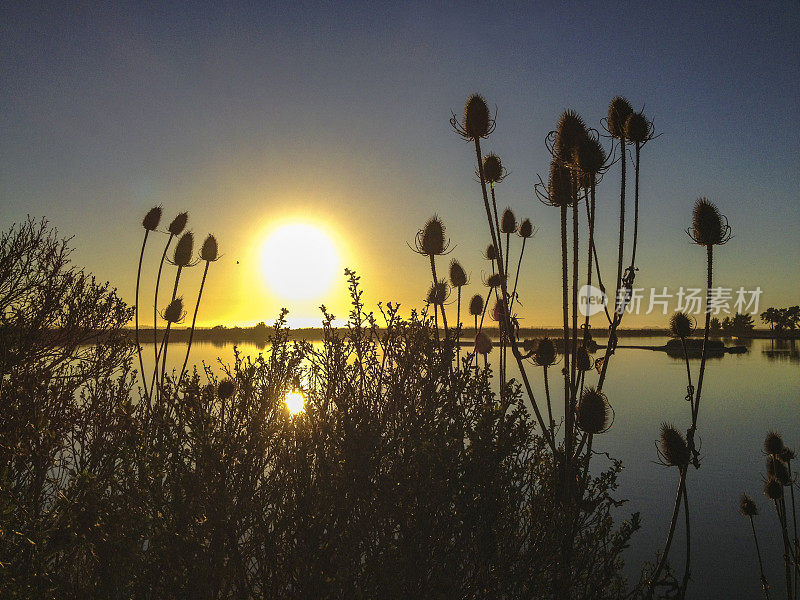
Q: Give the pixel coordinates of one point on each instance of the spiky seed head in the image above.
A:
(708, 225)
(458, 276)
(674, 448)
(559, 186)
(437, 293)
(525, 228)
(773, 489)
(773, 443)
(491, 252)
(747, 506)
(618, 112)
(476, 117)
(637, 127)
(681, 325)
(183, 250)
(508, 222)
(225, 389)
(178, 223)
(786, 454)
(583, 360)
(432, 240)
(593, 414)
(483, 345)
(497, 311)
(777, 468)
(494, 280)
(570, 133)
(209, 250)
(589, 156)
(174, 312)
(492, 168)
(545, 354)
(476, 305)
(152, 218)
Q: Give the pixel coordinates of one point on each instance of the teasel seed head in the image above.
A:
(593, 414)
(493, 169)
(458, 276)
(559, 186)
(525, 229)
(476, 305)
(570, 134)
(209, 250)
(477, 121)
(709, 227)
(681, 325)
(508, 222)
(483, 345)
(674, 449)
(773, 443)
(491, 252)
(777, 468)
(152, 218)
(583, 360)
(747, 506)
(183, 250)
(494, 280)
(545, 354)
(589, 157)
(225, 389)
(431, 241)
(174, 312)
(773, 489)
(637, 128)
(438, 292)
(497, 311)
(786, 454)
(178, 223)
(618, 112)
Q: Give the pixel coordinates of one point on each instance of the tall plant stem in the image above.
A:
(709, 279)
(794, 523)
(547, 396)
(548, 435)
(138, 345)
(621, 226)
(565, 314)
(194, 321)
(444, 316)
(780, 507)
(574, 362)
(675, 512)
(516, 275)
(590, 246)
(497, 228)
(764, 582)
(164, 344)
(636, 206)
(686, 569)
(458, 329)
(155, 307)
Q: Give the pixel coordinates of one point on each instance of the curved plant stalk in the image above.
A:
(686, 569)
(136, 314)
(458, 329)
(194, 320)
(565, 315)
(444, 316)
(516, 276)
(636, 206)
(621, 224)
(675, 513)
(764, 582)
(547, 396)
(155, 307)
(165, 343)
(696, 409)
(574, 361)
(780, 508)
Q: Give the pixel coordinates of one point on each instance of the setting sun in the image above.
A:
(295, 402)
(299, 261)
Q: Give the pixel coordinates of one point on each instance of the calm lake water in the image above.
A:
(744, 396)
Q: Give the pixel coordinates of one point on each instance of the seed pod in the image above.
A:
(674, 449)
(209, 250)
(225, 389)
(437, 293)
(483, 345)
(618, 112)
(494, 280)
(680, 325)
(747, 506)
(183, 250)
(497, 311)
(786, 454)
(476, 117)
(773, 443)
(589, 156)
(708, 225)
(637, 127)
(508, 222)
(559, 187)
(773, 489)
(432, 241)
(777, 468)
(152, 218)
(526, 229)
(458, 277)
(491, 252)
(583, 360)
(178, 223)
(545, 354)
(476, 305)
(174, 312)
(570, 134)
(492, 168)
(593, 414)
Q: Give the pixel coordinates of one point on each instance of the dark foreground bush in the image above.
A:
(405, 477)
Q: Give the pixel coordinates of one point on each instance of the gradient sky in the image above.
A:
(249, 116)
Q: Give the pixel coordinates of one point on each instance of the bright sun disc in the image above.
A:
(295, 402)
(299, 261)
